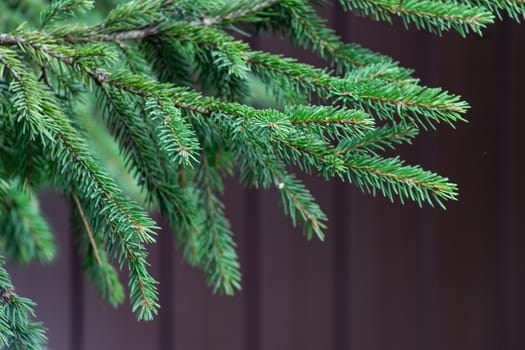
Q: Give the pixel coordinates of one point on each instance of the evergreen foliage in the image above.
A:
(130, 106)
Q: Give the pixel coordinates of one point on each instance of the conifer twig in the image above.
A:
(176, 97)
(87, 227)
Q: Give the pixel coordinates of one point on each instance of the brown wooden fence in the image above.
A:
(388, 276)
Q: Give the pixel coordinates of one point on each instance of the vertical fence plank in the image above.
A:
(514, 260)
(252, 270)
(277, 276)
(77, 297)
(167, 331)
(427, 296)
(503, 168)
(469, 228)
(339, 230)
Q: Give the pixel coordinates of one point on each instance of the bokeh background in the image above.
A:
(388, 276)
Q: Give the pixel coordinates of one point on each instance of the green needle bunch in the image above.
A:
(125, 107)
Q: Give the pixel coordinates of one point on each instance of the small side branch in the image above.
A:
(88, 227)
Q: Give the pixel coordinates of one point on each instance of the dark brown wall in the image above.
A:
(388, 276)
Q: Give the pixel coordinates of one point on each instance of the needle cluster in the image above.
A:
(132, 106)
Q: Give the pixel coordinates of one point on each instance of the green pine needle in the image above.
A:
(173, 88)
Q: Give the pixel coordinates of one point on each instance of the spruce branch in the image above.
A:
(372, 173)
(432, 15)
(25, 97)
(177, 138)
(310, 78)
(171, 87)
(219, 258)
(387, 136)
(142, 150)
(129, 227)
(127, 230)
(363, 87)
(100, 272)
(25, 234)
(514, 8)
(263, 165)
(298, 201)
(393, 178)
(300, 22)
(17, 330)
(329, 123)
(437, 111)
(414, 103)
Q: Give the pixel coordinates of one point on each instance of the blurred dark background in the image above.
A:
(388, 276)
